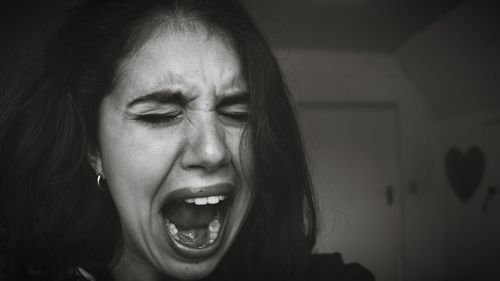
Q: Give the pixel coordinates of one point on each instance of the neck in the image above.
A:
(131, 269)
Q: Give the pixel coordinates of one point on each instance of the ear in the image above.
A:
(94, 158)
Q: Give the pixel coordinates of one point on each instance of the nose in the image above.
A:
(206, 147)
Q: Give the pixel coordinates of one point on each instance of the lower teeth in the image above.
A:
(189, 236)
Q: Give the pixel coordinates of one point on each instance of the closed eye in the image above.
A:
(236, 111)
(159, 120)
(234, 108)
(238, 116)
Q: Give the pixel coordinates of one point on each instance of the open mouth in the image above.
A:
(195, 220)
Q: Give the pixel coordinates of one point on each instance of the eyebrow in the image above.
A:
(163, 97)
(236, 98)
(167, 96)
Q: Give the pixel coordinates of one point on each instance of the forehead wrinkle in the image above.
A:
(145, 55)
(227, 78)
(238, 83)
(231, 84)
(219, 61)
(170, 81)
(163, 23)
(196, 77)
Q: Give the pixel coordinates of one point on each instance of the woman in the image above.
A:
(158, 142)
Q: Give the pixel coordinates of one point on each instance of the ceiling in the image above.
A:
(354, 25)
(448, 48)
(455, 67)
(455, 62)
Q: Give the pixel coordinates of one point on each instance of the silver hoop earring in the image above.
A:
(100, 180)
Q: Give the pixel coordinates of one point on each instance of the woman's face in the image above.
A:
(170, 134)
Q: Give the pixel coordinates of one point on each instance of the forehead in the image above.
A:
(189, 61)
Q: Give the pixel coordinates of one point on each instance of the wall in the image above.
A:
(473, 234)
(455, 61)
(319, 75)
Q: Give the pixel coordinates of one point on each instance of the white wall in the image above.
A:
(319, 75)
(455, 61)
(472, 234)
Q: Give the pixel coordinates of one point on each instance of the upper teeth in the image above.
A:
(205, 200)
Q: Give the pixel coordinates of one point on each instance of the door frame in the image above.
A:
(306, 105)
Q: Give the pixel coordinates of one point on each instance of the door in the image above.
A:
(354, 163)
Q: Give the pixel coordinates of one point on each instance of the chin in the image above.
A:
(193, 271)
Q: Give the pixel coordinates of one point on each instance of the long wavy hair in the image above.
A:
(53, 216)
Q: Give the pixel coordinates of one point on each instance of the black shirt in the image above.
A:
(331, 267)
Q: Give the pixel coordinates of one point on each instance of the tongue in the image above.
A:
(189, 216)
(194, 238)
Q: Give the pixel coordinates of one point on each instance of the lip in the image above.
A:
(203, 191)
(226, 189)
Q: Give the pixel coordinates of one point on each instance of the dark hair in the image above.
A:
(55, 216)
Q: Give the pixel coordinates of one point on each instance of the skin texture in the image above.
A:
(194, 142)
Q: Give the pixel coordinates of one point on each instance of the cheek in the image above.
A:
(136, 161)
(242, 157)
(140, 162)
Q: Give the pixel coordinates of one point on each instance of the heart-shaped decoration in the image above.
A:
(465, 171)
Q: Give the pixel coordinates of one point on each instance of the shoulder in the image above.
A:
(331, 267)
